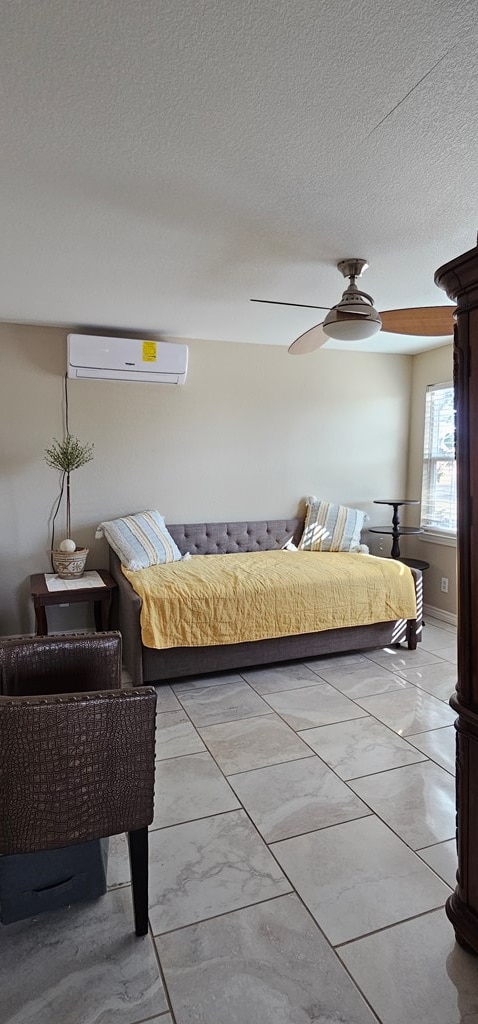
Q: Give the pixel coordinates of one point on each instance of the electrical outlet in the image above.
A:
(444, 585)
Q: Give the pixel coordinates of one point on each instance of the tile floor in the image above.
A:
(301, 854)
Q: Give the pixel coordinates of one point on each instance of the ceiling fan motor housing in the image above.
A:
(354, 317)
(355, 301)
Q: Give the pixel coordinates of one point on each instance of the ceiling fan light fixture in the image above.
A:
(351, 328)
(355, 318)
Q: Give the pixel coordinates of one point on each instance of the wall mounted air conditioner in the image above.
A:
(96, 358)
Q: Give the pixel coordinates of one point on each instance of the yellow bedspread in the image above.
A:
(227, 599)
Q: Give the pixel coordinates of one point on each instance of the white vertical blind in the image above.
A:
(438, 511)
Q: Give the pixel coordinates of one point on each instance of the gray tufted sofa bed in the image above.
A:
(147, 665)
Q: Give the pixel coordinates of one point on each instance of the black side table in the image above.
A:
(416, 563)
(396, 530)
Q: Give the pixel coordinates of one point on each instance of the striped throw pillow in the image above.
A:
(140, 540)
(330, 527)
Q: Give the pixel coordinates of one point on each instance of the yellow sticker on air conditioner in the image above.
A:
(149, 351)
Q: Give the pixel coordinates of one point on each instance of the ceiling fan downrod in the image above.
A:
(352, 298)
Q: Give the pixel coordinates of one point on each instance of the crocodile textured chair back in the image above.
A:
(70, 663)
(75, 767)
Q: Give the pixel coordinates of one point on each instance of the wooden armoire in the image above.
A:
(459, 279)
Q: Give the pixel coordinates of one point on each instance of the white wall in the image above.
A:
(249, 435)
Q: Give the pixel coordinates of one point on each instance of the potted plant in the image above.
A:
(66, 456)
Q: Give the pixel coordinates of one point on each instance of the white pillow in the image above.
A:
(331, 527)
(140, 540)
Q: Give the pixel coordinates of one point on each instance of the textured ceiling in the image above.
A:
(165, 161)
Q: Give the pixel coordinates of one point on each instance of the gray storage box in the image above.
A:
(33, 882)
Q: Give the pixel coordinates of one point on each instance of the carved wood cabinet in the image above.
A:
(460, 281)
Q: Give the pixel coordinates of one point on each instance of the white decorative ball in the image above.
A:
(68, 545)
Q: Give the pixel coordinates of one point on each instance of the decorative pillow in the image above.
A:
(140, 540)
(330, 527)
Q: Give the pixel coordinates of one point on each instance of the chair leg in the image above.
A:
(138, 858)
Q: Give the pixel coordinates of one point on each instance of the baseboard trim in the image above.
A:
(438, 613)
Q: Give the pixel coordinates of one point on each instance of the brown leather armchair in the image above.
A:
(75, 766)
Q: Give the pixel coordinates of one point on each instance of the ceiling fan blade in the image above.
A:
(300, 305)
(426, 321)
(314, 338)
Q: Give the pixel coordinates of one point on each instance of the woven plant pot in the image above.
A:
(70, 565)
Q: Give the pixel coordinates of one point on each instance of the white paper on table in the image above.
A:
(89, 580)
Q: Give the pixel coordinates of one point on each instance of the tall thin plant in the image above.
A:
(66, 456)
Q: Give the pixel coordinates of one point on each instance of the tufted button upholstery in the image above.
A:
(226, 538)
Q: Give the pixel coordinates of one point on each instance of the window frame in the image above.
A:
(434, 532)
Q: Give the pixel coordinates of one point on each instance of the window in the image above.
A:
(438, 513)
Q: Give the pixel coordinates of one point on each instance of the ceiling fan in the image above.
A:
(355, 318)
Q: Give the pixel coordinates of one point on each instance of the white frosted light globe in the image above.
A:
(67, 545)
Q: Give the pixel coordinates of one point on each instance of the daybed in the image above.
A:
(146, 664)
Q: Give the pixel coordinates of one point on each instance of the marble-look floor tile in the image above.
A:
(439, 679)
(197, 684)
(417, 802)
(359, 678)
(175, 736)
(119, 871)
(360, 747)
(447, 627)
(336, 663)
(397, 658)
(433, 638)
(439, 745)
(166, 700)
(416, 973)
(449, 653)
(167, 718)
(164, 1018)
(209, 867)
(280, 677)
(408, 711)
(366, 681)
(358, 877)
(267, 964)
(443, 859)
(253, 743)
(223, 703)
(313, 705)
(84, 960)
(300, 796)
(189, 787)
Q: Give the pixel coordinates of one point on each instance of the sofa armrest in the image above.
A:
(126, 617)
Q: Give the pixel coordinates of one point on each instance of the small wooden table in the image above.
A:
(43, 598)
